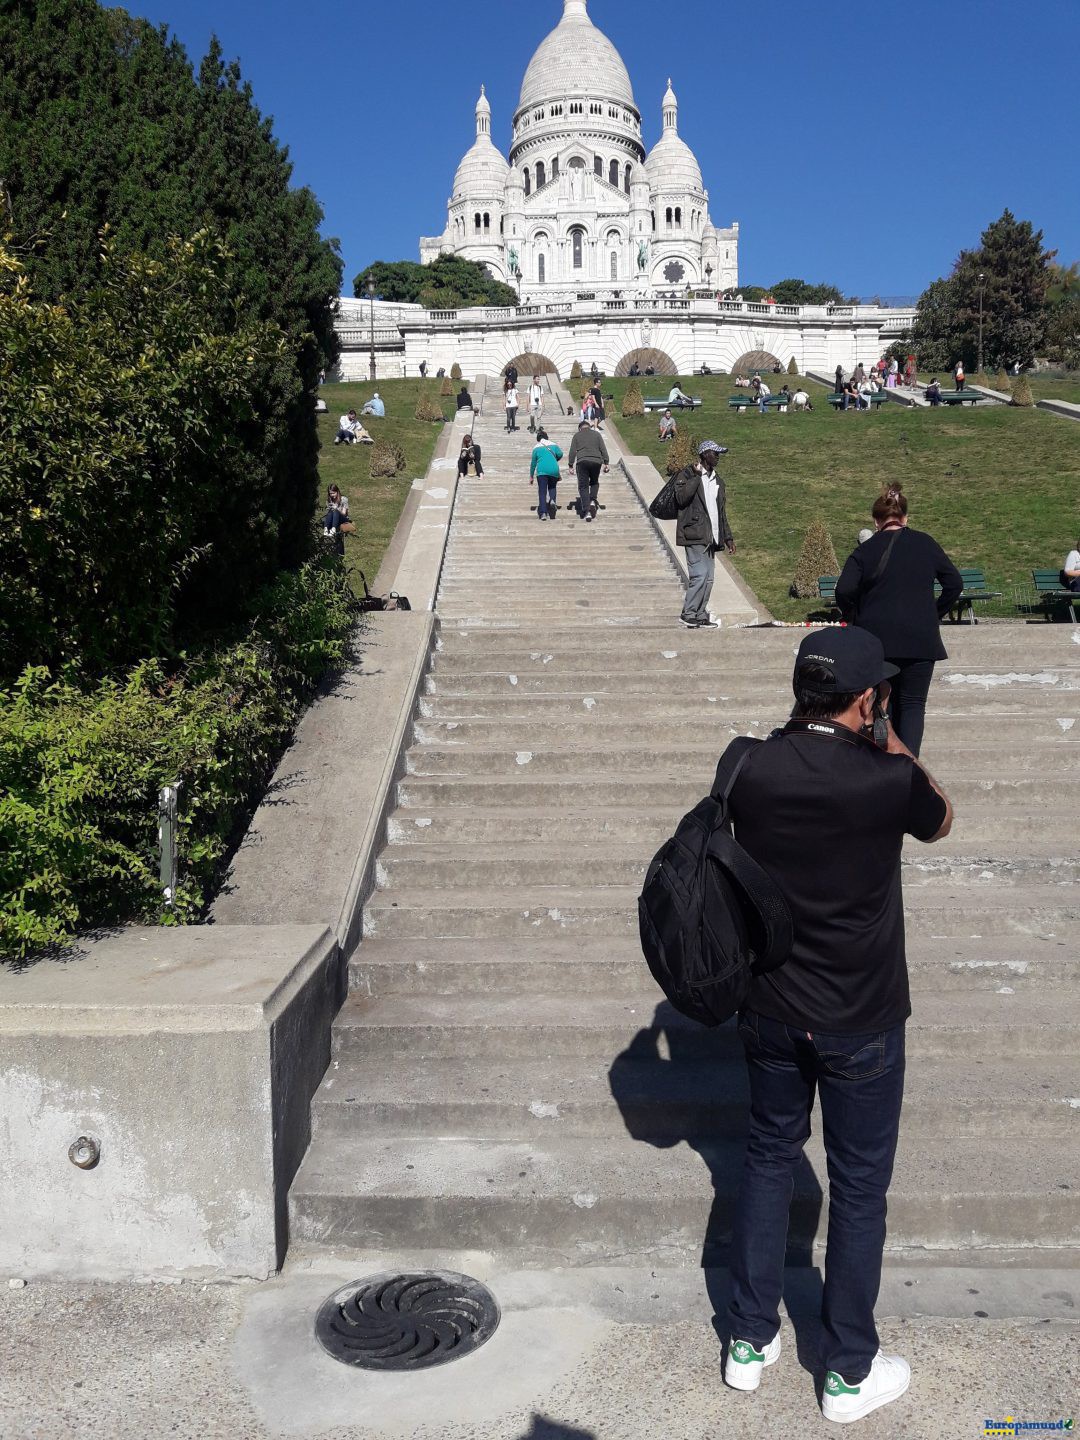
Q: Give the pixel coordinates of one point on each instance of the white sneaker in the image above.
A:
(715, 620)
(744, 1364)
(889, 1377)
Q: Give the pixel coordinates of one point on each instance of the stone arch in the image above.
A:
(646, 356)
(528, 363)
(755, 360)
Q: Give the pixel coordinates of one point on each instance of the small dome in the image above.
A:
(483, 105)
(483, 171)
(673, 167)
(576, 59)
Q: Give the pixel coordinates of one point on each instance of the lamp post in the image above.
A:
(371, 299)
(982, 287)
(708, 277)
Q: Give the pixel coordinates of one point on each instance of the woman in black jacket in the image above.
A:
(887, 587)
(470, 455)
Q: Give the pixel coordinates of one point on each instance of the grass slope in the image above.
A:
(375, 505)
(998, 487)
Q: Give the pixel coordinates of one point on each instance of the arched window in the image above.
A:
(613, 173)
(476, 221)
(598, 166)
(541, 177)
(575, 163)
(555, 168)
(576, 239)
(626, 180)
(487, 221)
(678, 215)
(667, 217)
(541, 268)
(528, 181)
(614, 266)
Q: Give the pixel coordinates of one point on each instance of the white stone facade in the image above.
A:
(580, 203)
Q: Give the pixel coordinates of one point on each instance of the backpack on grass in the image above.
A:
(709, 916)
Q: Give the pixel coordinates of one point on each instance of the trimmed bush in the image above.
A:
(447, 387)
(633, 404)
(792, 366)
(681, 452)
(427, 408)
(1021, 393)
(455, 371)
(816, 558)
(575, 370)
(387, 459)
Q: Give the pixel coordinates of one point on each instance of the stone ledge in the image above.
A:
(190, 1056)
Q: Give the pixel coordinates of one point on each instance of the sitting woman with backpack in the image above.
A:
(470, 455)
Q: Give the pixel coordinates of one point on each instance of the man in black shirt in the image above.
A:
(824, 809)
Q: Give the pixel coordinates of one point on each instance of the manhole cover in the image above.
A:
(406, 1322)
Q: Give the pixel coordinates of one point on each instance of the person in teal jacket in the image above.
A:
(544, 467)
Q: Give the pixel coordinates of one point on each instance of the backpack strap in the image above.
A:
(731, 763)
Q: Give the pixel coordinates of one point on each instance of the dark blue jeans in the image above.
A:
(545, 493)
(860, 1079)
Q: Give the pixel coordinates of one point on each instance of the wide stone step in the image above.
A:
(657, 652)
(584, 1201)
(1012, 647)
(663, 757)
(613, 966)
(428, 794)
(666, 1098)
(986, 829)
(699, 669)
(946, 1024)
(451, 867)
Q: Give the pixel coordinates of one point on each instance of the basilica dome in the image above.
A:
(483, 170)
(671, 165)
(576, 59)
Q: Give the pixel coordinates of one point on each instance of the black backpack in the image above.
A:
(709, 915)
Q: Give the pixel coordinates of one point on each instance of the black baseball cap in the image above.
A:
(854, 658)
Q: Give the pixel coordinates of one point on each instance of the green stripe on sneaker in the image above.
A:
(743, 1353)
(835, 1385)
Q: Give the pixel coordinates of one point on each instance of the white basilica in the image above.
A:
(580, 203)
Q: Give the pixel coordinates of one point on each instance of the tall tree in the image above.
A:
(448, 283)
(104, 124)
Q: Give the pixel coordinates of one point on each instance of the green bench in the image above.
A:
(1052, 593)
(739, 403)
(878, 397)
(973, 580)
(960, 397)
(653, 404)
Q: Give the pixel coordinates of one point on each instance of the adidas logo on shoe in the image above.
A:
(742, 1370)
(889, 1377)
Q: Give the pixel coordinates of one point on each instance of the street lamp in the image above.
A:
(708, 277)
(371, 298)
(982, 287)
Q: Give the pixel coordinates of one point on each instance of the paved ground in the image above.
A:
(204, 1362)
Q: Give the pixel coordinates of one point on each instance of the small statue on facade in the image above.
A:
(642, 256)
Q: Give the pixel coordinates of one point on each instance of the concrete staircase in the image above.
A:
(504, 1079)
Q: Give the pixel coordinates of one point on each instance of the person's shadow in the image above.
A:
(544, 1429)
(680, 1082)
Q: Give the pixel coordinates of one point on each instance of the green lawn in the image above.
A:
(375, 505)
(1059, 389)
(1000, 488)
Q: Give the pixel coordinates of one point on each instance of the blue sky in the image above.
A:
(862, 145)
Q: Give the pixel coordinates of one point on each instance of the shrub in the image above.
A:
(575, 370)
(455, 371)
(446, 388)
(1021, 392)
(632, 403)
(387, 459)
(816, 558)
(793, 366)
(81, 765)
(681, 452)
(144, 512)
(427, 407)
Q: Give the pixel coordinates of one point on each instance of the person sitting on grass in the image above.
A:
(336, 518)
(374, 407)
(351, 431)
(1070, 574)
(801, 401)
(668, 428)
(933, 392)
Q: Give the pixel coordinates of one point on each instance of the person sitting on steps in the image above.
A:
(464, 399)
(470, 455)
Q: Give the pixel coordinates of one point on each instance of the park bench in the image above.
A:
(1051, 593)
(877, 398)
(739, 403)
(960, 397)
(975, 589)
(826, 589)
(665, 404)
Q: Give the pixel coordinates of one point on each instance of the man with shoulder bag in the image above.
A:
(702, 529)
(823, 807)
